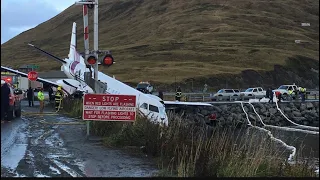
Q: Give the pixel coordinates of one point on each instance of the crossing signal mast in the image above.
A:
(91, 58)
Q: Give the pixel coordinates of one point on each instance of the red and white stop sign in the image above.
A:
(32, 75)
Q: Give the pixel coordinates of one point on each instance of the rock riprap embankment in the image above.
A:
(306, 113)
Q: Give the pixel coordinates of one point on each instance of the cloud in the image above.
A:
(20, 15)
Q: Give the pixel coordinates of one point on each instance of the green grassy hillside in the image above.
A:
(173, 40)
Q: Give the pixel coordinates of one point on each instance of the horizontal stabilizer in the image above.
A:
(48, 54)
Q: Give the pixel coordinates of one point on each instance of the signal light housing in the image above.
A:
(91, 60)
(107, 60)
(90, 6)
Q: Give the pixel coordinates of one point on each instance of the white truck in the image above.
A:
(253, 93)
(284, 89)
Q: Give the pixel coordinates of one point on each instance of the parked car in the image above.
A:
(145, 87)
(14, 103)
(253, 93)
(226, 94)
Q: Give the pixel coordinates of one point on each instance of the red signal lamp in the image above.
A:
(92, 60)
(8, 79)
(107, 60)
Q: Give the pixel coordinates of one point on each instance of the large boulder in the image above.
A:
(266, 113)
(204, 112)
(298, 119)
(306, 123)
(272, 111)
(287, 110)
(309, 105)
(291, 105)
(296, 114)
(263, 110)
(246, 109)
(218, 109)
(303, 107)
(252, 117)
(224, 107)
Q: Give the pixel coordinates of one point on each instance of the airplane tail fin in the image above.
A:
(73, 42)
(73, 54)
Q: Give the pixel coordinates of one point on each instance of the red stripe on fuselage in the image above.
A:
(73, 66)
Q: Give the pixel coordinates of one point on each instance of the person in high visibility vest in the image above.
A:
(178, 94)
(58, 98)
(296, 91)
(290, 94)
(41, 99)
(303, 92)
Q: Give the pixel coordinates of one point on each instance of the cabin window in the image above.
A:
(153, 108)
(255, 90)
(144, 106)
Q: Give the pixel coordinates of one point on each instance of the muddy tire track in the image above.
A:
(46, 155)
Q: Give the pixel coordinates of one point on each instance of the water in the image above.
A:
(307, 145)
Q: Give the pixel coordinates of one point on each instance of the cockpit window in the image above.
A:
(144, 106)
(153, 108)
(162, 110)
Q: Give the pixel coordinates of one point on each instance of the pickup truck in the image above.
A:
(284, 89)
(252, 93)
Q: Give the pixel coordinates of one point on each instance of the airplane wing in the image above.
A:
(179, 102)
(54, 84)
(186, 103)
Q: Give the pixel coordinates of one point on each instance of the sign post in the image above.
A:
(107, 107)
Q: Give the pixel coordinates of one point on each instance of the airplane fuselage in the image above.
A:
(150, 107)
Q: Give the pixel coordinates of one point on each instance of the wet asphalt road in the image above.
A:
(34, 146)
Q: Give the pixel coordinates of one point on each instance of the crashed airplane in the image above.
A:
(74, 67)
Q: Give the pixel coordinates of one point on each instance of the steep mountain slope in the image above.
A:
(174, 40)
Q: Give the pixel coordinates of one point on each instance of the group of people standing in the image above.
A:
(57, 97)
(293, 94)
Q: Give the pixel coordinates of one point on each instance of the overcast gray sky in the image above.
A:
(20, 15)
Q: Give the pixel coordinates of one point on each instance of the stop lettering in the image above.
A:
(110, 99)
(32, 75)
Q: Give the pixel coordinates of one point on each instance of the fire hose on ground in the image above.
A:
(292, 148)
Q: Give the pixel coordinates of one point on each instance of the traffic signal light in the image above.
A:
(107, 60)
(92, 60)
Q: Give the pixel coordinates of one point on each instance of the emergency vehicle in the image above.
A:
(14, 100)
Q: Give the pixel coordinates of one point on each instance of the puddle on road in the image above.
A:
(55, 170)
(14, 149)
(13, 156)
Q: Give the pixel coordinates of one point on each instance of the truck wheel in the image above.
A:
(17, 113)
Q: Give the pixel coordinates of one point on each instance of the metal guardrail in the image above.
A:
(206, 97)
